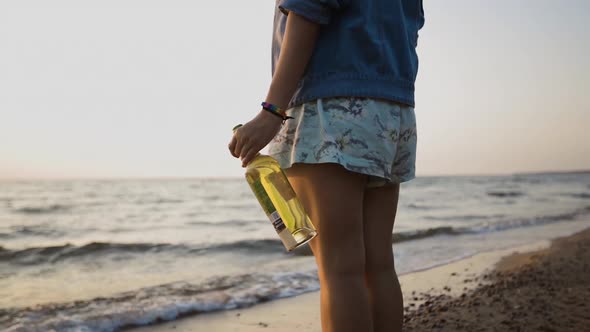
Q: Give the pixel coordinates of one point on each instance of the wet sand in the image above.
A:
(545, 290)
(538, 287)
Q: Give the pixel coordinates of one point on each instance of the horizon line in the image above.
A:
(174, 177)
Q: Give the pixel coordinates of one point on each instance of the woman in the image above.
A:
(344, 71)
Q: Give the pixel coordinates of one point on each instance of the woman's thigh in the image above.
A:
(333, 198)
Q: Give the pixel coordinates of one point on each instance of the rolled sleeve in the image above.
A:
(317, 11)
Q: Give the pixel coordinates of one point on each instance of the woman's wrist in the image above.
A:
(269, 118)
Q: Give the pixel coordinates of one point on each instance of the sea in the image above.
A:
(100, 255)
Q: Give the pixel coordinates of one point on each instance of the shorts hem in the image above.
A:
(285, 164)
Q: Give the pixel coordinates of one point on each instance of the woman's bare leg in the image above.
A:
(385, 296)
(333, 198)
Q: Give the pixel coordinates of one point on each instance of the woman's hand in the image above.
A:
(250, 138)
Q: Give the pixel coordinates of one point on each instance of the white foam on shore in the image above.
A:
(160, 303)
(302, 313)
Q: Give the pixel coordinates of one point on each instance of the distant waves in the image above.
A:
(53, 254)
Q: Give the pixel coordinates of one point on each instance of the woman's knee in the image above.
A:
(379, 263)
(334, 261)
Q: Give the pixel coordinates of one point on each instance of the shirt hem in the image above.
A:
(382, 89)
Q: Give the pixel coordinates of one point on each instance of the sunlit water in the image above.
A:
(105, 254)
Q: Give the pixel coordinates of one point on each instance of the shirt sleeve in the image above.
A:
(317, 11)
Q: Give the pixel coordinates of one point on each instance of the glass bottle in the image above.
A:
(279, 201)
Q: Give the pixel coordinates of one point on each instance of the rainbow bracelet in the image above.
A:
(275, 110)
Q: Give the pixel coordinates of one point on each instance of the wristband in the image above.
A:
(276, 111)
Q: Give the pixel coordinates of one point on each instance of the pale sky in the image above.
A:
(153, 88)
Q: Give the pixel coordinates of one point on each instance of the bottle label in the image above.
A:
(268, 206)
(262, 197)
(277, 221)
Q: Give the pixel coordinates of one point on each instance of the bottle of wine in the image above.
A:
(278, 200)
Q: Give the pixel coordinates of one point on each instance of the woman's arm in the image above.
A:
(296, 50)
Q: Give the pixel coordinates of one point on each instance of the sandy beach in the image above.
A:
(538, 287)
(544, 290)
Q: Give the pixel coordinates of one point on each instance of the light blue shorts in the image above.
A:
(370, 136)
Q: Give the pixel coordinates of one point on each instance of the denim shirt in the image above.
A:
(365, 48)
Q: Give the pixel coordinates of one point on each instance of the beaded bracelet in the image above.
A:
(276, 111)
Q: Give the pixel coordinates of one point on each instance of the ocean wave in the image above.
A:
(505, 193)
(42, 209)
(53, 254)
(487, 227)
(530, 179)
(425, 207)
(34, 230)
(251, 246)
(469, 217)
(158, 201)
(483, 227)
(425, 233)
(159, 303)
(212, 198)
(96, 250)
(530, 221)
(224, 223)
(578, 195)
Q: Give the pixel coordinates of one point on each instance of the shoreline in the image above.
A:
(426, 293)
(541, 290)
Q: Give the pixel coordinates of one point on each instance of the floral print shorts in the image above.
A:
(375, 137)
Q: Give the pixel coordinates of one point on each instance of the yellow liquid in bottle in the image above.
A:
(279, 202)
